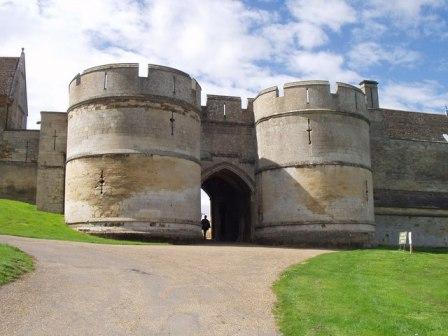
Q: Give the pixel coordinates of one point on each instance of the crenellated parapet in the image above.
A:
(309, 96)
(227, 109)
(123, 80)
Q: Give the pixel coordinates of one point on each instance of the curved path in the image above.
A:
(90, 289)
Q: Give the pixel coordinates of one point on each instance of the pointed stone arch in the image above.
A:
(231, 193)
(207, 172)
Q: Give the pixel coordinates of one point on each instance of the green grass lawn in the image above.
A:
(13, 263)
(365, 292)
(22, 219)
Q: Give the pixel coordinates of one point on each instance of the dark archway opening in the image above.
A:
(230, 199)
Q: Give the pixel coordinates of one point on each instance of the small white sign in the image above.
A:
(402, 238)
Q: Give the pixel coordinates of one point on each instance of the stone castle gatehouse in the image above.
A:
(308, 166)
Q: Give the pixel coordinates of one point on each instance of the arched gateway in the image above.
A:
(231, 194)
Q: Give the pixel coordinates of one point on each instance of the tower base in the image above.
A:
(324, 235)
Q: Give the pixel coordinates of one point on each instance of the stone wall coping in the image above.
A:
(52, 112)
(110, 66)
(123, 79)
(220, 97)
(306, 83)
(20, 130)
(267, 90)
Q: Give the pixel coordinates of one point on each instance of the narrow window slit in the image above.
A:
(101, 182)
(174, 85)
(26, 151)
(367, 191)
(172, 120)
(356, 101)
(105, 81)
(224, 110)
(307, 97)
(54, 140)
(371, 97)
(309, 130)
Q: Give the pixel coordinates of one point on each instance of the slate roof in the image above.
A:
(8, 66)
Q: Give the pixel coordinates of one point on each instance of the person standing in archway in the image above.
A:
(205, 226)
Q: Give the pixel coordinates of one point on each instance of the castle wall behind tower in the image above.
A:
(410, 174)
(18, 164)
(51, 162)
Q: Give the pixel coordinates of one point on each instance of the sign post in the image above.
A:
(402, 240)
(410, 241)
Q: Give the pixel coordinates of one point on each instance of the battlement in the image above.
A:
(227, 109)
(123, 80)
(310, 95)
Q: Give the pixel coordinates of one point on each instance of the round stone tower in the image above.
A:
(314, 178)
(133, 148)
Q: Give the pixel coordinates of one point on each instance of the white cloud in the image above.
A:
(371, 53)
(415, 17)
(313, 17)
(400, 9)
(322, 65)
(325, 13)
(309, 35)
(426, 96)
(215, 41)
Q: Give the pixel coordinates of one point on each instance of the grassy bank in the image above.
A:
(13, 263)
(23, 219)
(365, 292)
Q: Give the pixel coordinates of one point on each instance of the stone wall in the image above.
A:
(228, 135)
(3, 108)
(410, 174)
(51, 162)
(18, 164)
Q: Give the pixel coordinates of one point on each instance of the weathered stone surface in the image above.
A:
(51, 162)
(410, 176)
(18, 164)
(132, 193)
(314, 179)
(133, 153)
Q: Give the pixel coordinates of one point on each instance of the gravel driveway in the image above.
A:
(92, 289)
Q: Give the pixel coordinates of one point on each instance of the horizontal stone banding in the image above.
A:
(330, 235)
(414, 212)
(127, 152)
(321, 224)
(410, 199)
(105, 220)
(311, 165)
(149, 98)
(313, 112)
(145, 230)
